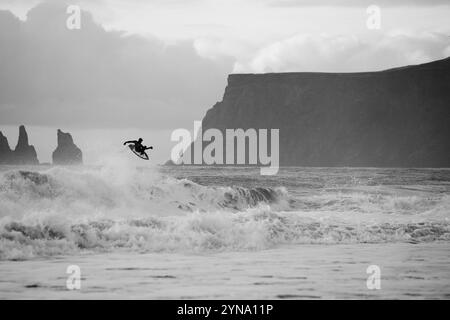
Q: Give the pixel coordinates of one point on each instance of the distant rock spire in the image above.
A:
(5, 150)
(23, 137)
(24, 153)
(66, 153)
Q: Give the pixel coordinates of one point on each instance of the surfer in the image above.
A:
(138, 146)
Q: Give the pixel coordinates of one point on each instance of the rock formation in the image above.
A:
(5, 151)
(24, 153)
(66, 153)
(169, 163)
(393, 118)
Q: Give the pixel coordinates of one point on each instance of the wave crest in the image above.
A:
(254, 229)
(82, 192)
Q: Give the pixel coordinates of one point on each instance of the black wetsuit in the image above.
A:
(138, 147)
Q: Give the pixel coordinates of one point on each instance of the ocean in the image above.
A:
(224, 232)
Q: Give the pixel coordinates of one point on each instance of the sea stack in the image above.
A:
(24, 153)
(5, 151)
(66, 153)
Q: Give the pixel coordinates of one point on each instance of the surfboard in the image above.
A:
(140, 155)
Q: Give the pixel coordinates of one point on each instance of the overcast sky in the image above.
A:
(151, 66)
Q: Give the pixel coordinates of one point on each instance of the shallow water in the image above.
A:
(179, 232)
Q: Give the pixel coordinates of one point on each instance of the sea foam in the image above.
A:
(65, 210)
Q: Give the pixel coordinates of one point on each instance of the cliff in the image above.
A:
(392, 118)
(24, 153)
(66, 153)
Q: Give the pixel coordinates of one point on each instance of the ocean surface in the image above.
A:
(224, 233)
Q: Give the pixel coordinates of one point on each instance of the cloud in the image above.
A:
(52, 76)
(93, 78)
(347, 53)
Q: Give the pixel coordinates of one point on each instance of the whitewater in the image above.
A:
(205, 232)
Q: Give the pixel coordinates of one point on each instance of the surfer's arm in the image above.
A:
(148, 148)
(131, 141)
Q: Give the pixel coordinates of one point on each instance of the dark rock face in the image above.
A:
(169, 163)
(66, 153)
(24, 153)
(5, 151)
(393, 118)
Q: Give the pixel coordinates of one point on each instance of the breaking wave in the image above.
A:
(66, 211)
(84, 191)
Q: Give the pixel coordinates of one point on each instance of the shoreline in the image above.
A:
(408, 271)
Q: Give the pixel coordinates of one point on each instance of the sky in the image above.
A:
(146, 67)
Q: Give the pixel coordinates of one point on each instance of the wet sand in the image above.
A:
(408, 271)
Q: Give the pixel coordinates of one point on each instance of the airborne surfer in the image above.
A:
(138, 146)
